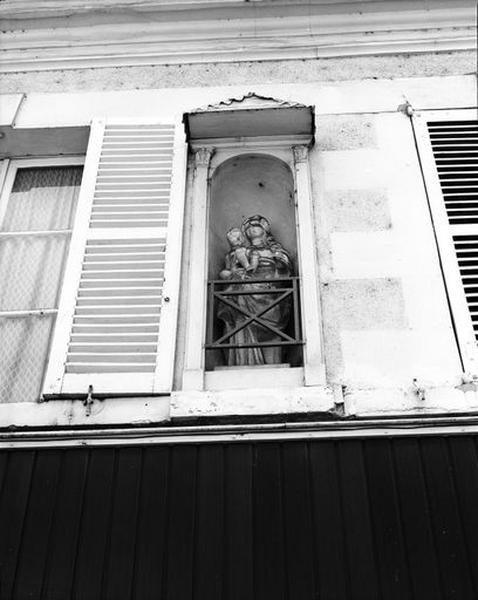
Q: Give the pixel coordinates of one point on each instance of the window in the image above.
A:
(89, 274)
(448, 146)
(37, 210)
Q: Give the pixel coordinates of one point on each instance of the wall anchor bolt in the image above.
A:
(406, 108)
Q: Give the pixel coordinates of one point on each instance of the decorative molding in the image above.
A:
(131, 33)
(202, 156)
(250, 101)
(42, 8)
(301, 154)
(278, 141)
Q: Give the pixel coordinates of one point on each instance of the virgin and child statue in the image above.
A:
(255, 260)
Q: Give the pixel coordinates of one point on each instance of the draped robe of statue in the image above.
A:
(271, 261)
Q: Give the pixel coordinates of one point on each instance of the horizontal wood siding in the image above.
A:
(322, 520)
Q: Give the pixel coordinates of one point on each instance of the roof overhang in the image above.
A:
(52, 34)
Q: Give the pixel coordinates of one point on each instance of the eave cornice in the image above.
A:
(163, 433)
(151, 32)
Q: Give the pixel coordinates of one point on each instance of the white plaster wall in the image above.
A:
(355, 97)
(386, 319)
(384, 299)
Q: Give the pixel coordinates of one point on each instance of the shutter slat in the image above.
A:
(109, 329)
(124, 256)
(93, 339)
(119, 292)
(119, 194)
(89, 369)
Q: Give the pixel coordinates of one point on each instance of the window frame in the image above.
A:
(8, 175)
(460, 314)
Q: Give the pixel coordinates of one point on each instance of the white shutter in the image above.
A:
(455, 150)
(117, 316)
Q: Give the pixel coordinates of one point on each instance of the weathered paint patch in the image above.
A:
(345, 132)
(357, 210)
(240, 73)
(359, 304)
(364, 304)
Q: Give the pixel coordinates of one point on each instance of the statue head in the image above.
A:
(255, 227)
(235, 237)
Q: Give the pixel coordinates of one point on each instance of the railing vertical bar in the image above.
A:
(210, 317)
(296, 310)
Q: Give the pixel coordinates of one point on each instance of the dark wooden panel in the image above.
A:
(298, 521)
(343, 520)
(36, 531)
(359, 540)
(182, 512)
(422, 559)
(270, 568)
(62, 552)
(118, 580)
(239, 545)
(386, 519)
(153, 525)
(209, 535)
(3, 471)
(464, 458)
(449, 539)
(95, 525)
(331, 569)
(13, 505)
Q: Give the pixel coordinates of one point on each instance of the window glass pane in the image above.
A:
(43, 199)
(30, 271)
(23, 352)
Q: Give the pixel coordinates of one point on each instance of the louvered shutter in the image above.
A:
(117, 316)
(455, 150)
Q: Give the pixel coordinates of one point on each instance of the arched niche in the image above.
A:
(243, 186)
(246, 185)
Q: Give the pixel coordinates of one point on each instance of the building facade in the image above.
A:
(238, 270)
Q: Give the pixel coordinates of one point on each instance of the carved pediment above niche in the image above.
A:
(251, 116)
(249, 101)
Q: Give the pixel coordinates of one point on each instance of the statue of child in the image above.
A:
(240, 259)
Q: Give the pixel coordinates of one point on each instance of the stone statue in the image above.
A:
(254, 256)
(239, 260)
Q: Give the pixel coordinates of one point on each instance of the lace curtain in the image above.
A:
(34, 240)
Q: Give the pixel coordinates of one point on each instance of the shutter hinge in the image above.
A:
(88, 401)
(418, 390)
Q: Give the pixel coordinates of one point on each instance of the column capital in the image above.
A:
(203, 155)
(301, 153)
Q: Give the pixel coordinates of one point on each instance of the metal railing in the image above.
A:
(227, 292)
